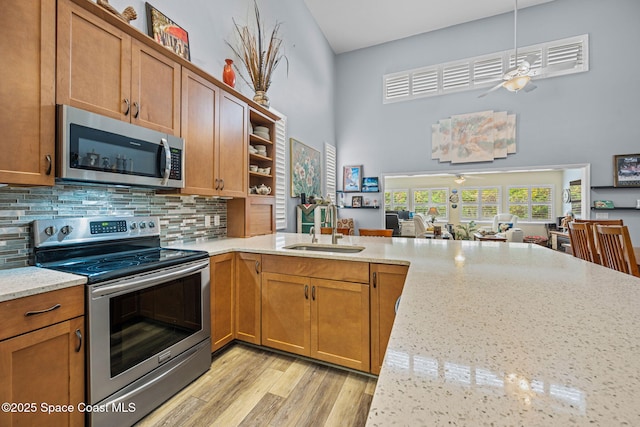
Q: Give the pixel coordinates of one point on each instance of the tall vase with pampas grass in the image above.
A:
(259, 54)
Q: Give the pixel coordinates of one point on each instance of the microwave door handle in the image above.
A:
(167, 162)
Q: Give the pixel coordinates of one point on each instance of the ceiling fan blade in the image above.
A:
(496, 87)
(529, 87)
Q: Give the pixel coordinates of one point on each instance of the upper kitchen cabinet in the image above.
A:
(100, 68)
(232, 143)
(214, 131)
(27, 110)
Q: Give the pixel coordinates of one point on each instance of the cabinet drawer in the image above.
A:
(348, 271)
(14, 318)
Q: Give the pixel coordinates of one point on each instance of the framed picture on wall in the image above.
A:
(626, 170)
(352, 178)
(167, 33)
(356, 202)
(306, 172)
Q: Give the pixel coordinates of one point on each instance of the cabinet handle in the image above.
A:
(257, 267)
(49, 164)
(375, 279)
(217, 185)
(313, 293)
(222, 182)
(79, 335)
(306, 291)
(137, 113)
(126, 112)
(46, 310)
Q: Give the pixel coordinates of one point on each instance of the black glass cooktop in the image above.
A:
(115, 261)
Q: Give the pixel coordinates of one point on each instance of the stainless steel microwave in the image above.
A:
(99, 149)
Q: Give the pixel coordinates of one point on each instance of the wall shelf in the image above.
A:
(611, 187)
(361, 207)
(617, 208)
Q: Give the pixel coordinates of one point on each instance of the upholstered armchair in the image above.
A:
(347, 223)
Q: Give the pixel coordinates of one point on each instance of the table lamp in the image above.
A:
(433, 213)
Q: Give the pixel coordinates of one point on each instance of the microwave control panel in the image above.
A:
(176, 164)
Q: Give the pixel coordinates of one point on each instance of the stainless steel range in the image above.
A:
(147, 310)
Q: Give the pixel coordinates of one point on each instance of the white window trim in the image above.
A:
(443, 208)
(530, 203)
(280, 193)
(480, 204)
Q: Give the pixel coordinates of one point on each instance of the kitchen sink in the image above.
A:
(317, 247)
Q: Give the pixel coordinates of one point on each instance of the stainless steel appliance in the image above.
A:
(95, 148)
(147, 310)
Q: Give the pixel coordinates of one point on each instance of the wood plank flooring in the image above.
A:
(247, 386)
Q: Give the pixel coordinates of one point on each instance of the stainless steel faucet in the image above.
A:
(333, 210)
(312, 233)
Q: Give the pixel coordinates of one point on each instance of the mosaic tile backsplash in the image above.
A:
(182, 218)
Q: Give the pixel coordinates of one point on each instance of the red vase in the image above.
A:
(228, 75)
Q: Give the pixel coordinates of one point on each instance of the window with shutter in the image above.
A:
(280, 172)
(330, 168)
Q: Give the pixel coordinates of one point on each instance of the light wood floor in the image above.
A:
(247, 386)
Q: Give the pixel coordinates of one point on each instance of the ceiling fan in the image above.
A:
(519, 77)
(460, 178)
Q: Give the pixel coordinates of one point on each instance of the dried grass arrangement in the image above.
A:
(260, 55)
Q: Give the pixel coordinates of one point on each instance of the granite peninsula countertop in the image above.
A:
(492, 333)
(23, 282)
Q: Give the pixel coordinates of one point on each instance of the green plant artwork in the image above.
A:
(466, 230)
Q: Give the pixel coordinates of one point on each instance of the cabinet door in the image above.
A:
(386, 286)
(247, 304)
(27, 110)
(155, 90)
(221, 289)
(285, 313)
(44, 366)
(199, 124)
(340, 323)
(232, 147)
(93, 63)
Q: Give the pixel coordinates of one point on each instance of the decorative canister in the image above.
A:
(228, 75)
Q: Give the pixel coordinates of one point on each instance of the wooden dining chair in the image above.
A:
(376, 232)
(595, 222)
(583, 243)
(341, 230)
(616, 251)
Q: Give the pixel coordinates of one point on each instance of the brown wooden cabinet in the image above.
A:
(253, 216)
(247, 297)
(27, 110)
(386, 286)
(43, 360)
(100, 68)
(322, 314)
(222, 310)
(232, 146)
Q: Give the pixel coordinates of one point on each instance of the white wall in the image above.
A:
(305, 94)
(578, 119)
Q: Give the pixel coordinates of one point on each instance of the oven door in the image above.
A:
(136, 324)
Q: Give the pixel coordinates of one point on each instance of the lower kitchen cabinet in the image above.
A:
(324, 319)
(221, 289)
(386, 286)
(42, 358)
(247, 297)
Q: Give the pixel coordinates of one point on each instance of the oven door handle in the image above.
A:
(150, 280)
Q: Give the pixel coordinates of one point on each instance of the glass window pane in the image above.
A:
(518, 195)
(521, 210)
(469, 211)
(439, 196)
(540, 212)
(421, 196)
(421, 209)
(469, 196)
(400, 197)
(541, 194)
(489, 211)
(490, 195)
(387, 199)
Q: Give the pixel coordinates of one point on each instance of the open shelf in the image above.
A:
(617, 208)
(611, 187)
(361, 207)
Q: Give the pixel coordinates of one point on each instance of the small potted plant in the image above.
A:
(465, 230)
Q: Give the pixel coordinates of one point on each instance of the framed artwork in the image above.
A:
(626, 170)
(356, 202)
(370, 184)
(352, 178)
(306, 173)
(167, 33)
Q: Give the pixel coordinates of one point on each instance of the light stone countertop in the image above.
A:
(22, 282)
(492, 333)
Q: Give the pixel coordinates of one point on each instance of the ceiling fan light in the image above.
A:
(516, 83)
(459, 179)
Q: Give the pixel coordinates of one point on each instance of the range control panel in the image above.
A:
(64, 231)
